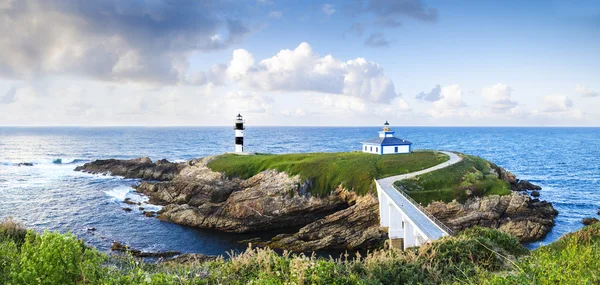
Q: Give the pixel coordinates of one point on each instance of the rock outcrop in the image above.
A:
(526, 218)
(117, 246)
(356, 227)
(515, 184)
(142, 168)
(266, 201)
(589, 221)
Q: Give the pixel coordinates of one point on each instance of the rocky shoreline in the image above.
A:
(194, 195)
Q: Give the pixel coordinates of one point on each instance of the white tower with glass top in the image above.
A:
(239, 134)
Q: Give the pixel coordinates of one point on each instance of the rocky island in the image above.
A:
(326, 200)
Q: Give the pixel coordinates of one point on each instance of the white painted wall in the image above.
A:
(239, 133)
(401, 149)
(239, 148)
(371, 149)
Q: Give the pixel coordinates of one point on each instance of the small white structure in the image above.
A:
(386, 143)
(239, 134)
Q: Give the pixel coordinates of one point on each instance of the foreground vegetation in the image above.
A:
(473, 176)
(477, 256)
(354, 170)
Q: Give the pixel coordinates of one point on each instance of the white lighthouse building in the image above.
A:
(386, 143)
(239, 134)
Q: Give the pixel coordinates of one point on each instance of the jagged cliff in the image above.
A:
(526, 218)
(194, 195)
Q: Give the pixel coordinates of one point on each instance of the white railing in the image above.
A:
(435, 220)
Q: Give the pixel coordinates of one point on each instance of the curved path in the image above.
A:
(420, 219)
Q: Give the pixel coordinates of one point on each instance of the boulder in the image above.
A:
(129, 202)
(535, 193)
(526, 185)
(589, 221)
(117, 246)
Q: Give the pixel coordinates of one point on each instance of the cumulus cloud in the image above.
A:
(432, 95)
(328, 9)
(302, 69)
(584, 91)
(377, 40)
(498, 97)
(557, 108)
(557, 103)
(140, 41)
(450, 102)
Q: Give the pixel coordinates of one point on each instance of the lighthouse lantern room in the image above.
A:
(239, 134)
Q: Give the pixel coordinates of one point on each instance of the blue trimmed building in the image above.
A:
(386, 143)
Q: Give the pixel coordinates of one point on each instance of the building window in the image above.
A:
(396, 149)
(365, 148)
(376, 149)
(371, 149)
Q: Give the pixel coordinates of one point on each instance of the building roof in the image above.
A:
(386, 141)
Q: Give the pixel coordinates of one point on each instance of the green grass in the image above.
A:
(472, 174)
(574, 259)
(474, 256)
(353, 170)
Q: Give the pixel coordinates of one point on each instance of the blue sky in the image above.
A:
(157, 63)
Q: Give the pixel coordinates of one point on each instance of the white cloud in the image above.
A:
(396, 107)
(298, 112)
(584, 91)
(557, 103)
(240, 64)
(450, 102)
(125, 41)
(341, 104)
(245, 102)
(328, 9)
(302, 69)
(351, 106)
(498, 97)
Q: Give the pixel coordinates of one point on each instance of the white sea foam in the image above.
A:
(119, 193)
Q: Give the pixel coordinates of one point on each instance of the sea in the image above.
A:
(51, 196)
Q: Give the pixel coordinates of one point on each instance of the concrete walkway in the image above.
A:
(426, 225)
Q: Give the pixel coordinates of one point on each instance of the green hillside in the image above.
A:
(354, 170)
(472, 175)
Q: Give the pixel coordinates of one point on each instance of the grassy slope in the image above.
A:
(476, 256)
(355, 170)
(447, 184)
(574, 259)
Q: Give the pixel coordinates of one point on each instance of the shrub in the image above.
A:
(12, 230)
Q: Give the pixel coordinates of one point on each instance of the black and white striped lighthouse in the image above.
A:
(239, 134)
